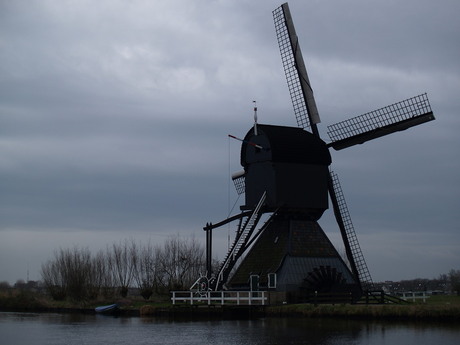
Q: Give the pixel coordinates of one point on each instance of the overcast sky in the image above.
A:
(114, 117)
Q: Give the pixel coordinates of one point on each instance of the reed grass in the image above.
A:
(447, 308)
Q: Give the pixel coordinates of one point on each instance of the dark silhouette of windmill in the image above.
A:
(287, 177)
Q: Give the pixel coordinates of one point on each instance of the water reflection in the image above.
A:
(78, 329)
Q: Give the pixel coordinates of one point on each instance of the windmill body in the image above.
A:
(292, 167)
(296, 251)
(287, 175)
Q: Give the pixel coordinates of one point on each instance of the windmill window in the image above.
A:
(272, 280)
(254, 282)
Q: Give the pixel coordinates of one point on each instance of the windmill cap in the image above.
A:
(284, 144)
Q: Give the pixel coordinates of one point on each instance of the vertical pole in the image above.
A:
(209, 250)
(255, 118)
(210, 253)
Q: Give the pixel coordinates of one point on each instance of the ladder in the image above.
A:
(240, 242)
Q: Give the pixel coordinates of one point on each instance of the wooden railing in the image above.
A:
(413, 296)
(220, 297)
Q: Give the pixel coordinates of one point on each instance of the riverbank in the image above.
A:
(442, 308)
(30, 301)
(416, 312)
(449, 312)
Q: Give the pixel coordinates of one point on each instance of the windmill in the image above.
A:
(287, 178)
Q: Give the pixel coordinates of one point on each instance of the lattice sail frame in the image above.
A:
(240, 184)
(299, 87)
(355, 249)
(393, 114)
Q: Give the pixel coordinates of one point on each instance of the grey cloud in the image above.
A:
(114, 115)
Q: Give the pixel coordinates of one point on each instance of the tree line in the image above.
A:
(77, 274)
(445, 283)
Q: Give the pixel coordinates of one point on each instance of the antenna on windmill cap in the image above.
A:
(255, 117)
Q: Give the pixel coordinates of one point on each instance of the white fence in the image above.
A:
(220, 297)
(412, 296)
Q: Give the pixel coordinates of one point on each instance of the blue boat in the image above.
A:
(107, 309)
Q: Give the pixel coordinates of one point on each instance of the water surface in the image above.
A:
(78, 329)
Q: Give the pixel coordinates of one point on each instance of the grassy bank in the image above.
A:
(445, 308)
(21, 300)
(24, 300)
(436, 308)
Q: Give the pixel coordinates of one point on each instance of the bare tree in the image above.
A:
(100, 276)
(195, 264)
(76, 274)
(53, 279)
(454, 277)
(123, 260)
(180, 262)
(146, 270)
(75, 265)
(69, 274)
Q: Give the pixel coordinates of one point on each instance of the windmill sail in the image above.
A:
(354, 254)
(238, 179)
(286, 173)
(304, 103)
(393, 118)
(300, 90)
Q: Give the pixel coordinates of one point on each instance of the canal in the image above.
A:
(80, 329)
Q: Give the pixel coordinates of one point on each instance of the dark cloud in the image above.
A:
(115, 115)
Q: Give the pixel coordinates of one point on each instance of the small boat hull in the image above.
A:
(107, 309)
